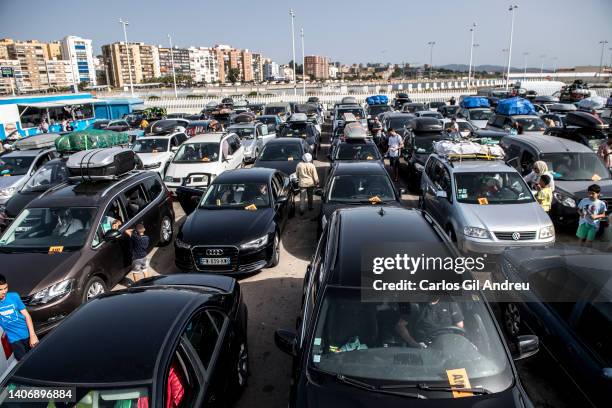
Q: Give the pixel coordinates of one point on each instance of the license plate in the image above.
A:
(214, 261)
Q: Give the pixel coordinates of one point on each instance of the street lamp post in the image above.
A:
(292, 14)
(474, 46)
(303, 63)
(603, 45)
(555, 66)
(510, 9)
(431, 45)
(525, 54)
(127, 51)
(173, 69)
(472, 30)
(542, 66)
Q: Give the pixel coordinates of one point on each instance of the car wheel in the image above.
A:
(93, 288)
(165, 231)
(451, 234)
(275, 251)
(241, 371)
(512, 319)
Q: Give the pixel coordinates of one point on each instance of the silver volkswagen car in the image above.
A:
(483, 205)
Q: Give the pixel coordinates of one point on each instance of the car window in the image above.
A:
(153, 187)
(595, 328)
(202, 334)
(182, 385)
(114, 216)
(527, 160)
(135, 200)
(276, 188)
(263, 130)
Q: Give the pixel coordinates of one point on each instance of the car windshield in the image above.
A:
(358, 112)
(197, 152)
(50, 174)
(362, 339)
(150, 145)
(15, 165)
(378, 109)
(480, 114)
(492, 188)
(101, 124)
(275, 110)
(576, 166)
(465, 126)
(268, 120)
(452, 109)
(249, 196)
(398, 123)
(243, 132)
(353, 151)
(43, 229)
(363, 188)
(532, 124)
(281, 152)
(423, 143)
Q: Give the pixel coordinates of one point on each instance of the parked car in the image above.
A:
(272, 121)
(466, 129)
(531, 124)
(299, 126)
(211, 153)
(196, 346)
(582, 127)
(397, 121)
(400, 99)
(449, 111)
(428, 114)
(574, 166)
(65, 238)
(237, 226)
(476, 116)
(467, 196)
(412, 107)
(374, 110)
(167, 126)
(568, 308)
(253, 136)
(156, 152)
(341, 110)
(362, 149)
(282, 110)
(434, 106)
(283, 154)
(347, 351)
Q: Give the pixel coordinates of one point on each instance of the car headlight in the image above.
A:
(8, 191)
(475, 232)
(547, 232)
(256, 243)
(181, 244)
(52, 293)
(565, 200)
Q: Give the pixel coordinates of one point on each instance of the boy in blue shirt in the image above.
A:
(592, 210)
(16, 321)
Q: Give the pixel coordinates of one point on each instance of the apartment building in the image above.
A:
(257, 67)
(181, 61)
(316, 66)
(143, 58)
(204, 67)
(79, 52)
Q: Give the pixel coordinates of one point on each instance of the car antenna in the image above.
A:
(381, 212)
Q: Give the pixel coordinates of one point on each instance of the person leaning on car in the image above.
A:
(16, 321)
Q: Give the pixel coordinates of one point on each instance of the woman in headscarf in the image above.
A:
(308, 179)
(539, 168)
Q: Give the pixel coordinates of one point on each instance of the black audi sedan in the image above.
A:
(351, 184)
(191, 352)
(238, 224)
(283, 154)
(353, 353)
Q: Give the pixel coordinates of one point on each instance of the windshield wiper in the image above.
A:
(428, 387)
(370, 387)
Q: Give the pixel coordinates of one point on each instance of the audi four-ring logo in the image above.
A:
(216, 252)
(516, 236)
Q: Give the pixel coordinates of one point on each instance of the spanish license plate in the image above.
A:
(214, 261)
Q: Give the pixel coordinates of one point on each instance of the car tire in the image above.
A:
(275, 258)
(94, 287)
(512, 319)
(166, 230)
(451, 234)
(241, 371)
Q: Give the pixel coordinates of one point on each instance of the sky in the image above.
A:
(395, 31)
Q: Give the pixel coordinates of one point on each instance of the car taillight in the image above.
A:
(8, 350)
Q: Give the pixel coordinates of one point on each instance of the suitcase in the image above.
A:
(36, 141)
(101, 164)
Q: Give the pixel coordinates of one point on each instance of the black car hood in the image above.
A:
(578, 189)
(225, 227)
(328, 209)
(286, 166)
(339, 395)
(28, 273)
(19, 201)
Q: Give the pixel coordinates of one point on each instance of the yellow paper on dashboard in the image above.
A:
(458, 379)
(251, 207)
(56, 249)
(374, 200)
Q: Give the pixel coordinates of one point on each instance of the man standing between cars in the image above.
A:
(307, 180)
(395, 145)
(16, 321)
(376, 130)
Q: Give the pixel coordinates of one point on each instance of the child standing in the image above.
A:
(592, 210)
(140, 245)
(544, 194)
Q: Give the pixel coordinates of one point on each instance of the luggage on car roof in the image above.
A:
(354, 130)
(593, 102)
(90, 139)
(584, 119)
(245, 117)
(515, 106)
(562, 107)
(349, 100)
(377, 100)
(101, 164)
(36, 141)
(467, 149)
(475, 102)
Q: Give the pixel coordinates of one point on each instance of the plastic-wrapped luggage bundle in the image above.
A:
(515, 106)
(101, 164)
(475, 102)
(377, 100)
(467, 149)
(90, 139)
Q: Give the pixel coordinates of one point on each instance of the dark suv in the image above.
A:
(68, 241)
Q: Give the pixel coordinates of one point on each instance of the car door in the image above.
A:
(265, 136)
(440, 183)
(238, 155)
(528, 157)
(280, 207)
(427, 184)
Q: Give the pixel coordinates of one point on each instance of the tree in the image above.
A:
(82, 85)
(299, 68)
(233, 75)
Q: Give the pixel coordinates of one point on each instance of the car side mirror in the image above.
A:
(441, 194)
(285, 341)
(526, 346)
(112, 235)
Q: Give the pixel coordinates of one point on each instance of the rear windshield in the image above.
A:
(281, 152)
(352, 151)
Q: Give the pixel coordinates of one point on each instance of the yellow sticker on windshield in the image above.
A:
(596, 177)
(369, 158)
(483, 201)
(374, 200)
(6, 175)
(251, 207)
(458, 379)
(56, 249)
(154, 151)
(205, 159)
(290, 158)
(218, 202)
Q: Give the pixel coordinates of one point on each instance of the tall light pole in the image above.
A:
(511, 9)
(542, 66)
(292, 14)
(474, 46)
(127, 51)
(303, 63)
(431, 45)
(555, 65)
(173, 70)
(603, 45)
(472, 30)
(525, 54)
